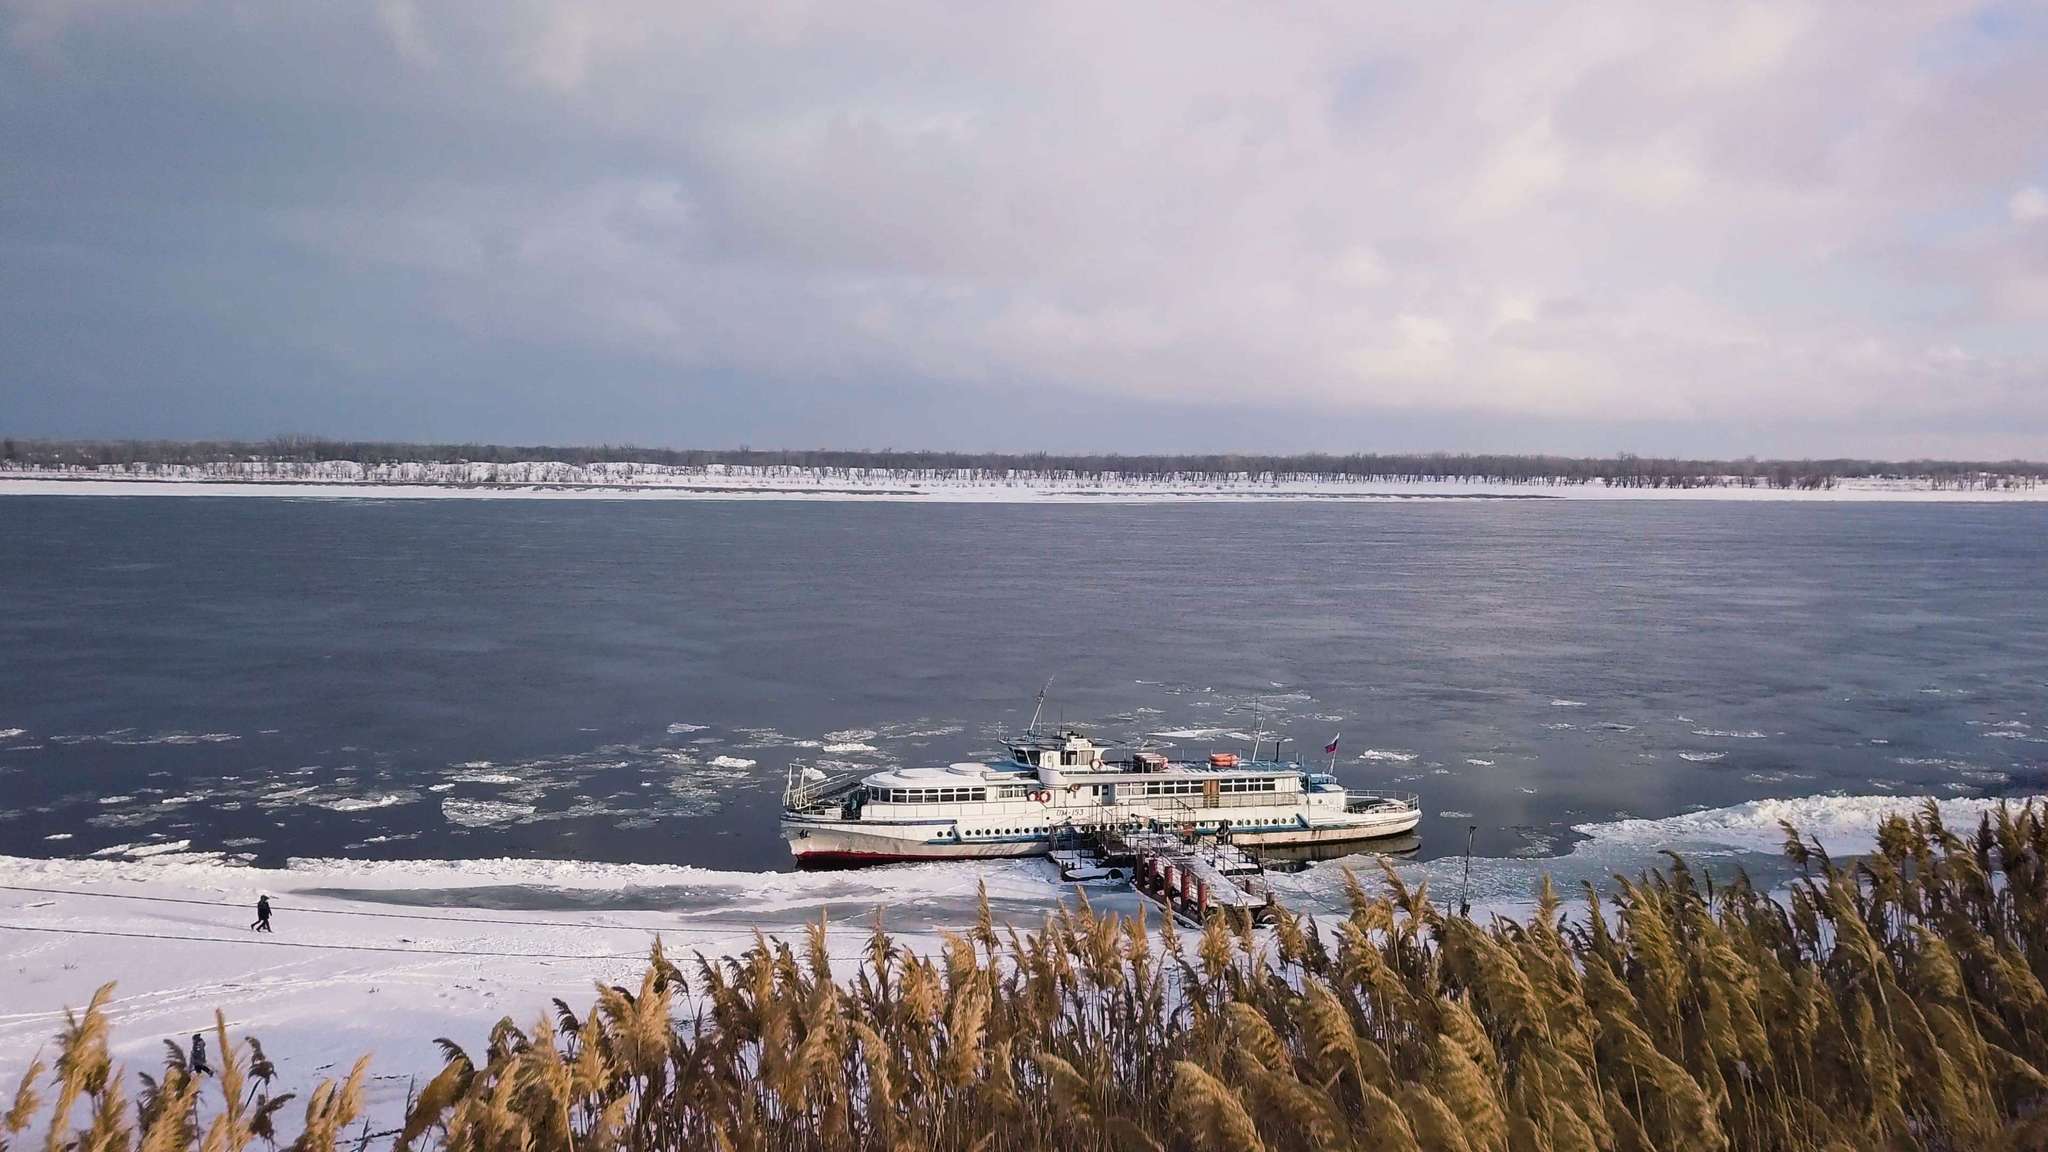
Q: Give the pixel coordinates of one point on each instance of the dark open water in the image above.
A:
(627, 681)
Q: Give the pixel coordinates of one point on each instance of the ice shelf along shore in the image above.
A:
(382, 957)
(632, 481)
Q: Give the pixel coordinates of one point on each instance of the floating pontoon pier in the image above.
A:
(1193, 876)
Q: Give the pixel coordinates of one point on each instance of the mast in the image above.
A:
(1032, 728)
(1258, 724)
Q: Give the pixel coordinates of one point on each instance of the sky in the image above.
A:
(1471, 225)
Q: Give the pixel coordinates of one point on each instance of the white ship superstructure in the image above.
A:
(1053, 785)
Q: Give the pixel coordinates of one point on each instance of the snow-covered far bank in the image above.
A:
(384, 956)
(552, 481)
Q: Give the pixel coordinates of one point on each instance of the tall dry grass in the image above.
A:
(1897, 1003)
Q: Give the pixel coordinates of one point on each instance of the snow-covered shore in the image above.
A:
(546, 480)
(382, 957)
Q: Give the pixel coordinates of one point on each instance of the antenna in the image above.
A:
(1258, 724)
(1032, 729)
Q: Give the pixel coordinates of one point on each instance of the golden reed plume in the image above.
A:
(1901, 1002)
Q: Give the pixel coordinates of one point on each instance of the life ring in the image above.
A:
(1042, 796)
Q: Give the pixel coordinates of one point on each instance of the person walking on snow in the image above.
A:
(198, 1064)
(262, 923)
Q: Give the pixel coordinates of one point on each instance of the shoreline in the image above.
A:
(377, 956)
(1024, 491)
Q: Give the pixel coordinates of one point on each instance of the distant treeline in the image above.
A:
(1622, 470)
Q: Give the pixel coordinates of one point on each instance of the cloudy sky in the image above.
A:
(1715, 228)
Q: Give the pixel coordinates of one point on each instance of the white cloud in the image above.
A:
(2028, 205)
(1575, 210)
(402, 22)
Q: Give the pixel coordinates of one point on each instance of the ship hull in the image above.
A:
(1320, 834)
(846, 844)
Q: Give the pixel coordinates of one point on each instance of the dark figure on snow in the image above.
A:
(262, 923)
(198, 1064)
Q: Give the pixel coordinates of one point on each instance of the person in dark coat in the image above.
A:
(262, 923)
(198, 1062)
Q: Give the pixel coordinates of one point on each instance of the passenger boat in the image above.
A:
(1053, 786)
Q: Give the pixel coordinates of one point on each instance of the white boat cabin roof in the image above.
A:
(1077, 759)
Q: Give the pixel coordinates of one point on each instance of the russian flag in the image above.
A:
(1330, 749)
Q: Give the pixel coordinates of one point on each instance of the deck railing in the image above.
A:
(800, 791)
(1358, 801)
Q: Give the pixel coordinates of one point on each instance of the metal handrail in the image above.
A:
(799, 792)
(1411, 799)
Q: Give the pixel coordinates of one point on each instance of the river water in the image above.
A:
(628, 682)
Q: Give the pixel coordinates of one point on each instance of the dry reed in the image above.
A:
(1901, 1002)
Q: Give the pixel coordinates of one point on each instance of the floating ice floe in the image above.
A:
(1728, 734)
(1387, 755)
(732, 762)
(1702, 757)
(1567, 703)
(482, 813)
(366, 803)
(144, 851)
(679, 728)
(1202, 734)
(845, 746)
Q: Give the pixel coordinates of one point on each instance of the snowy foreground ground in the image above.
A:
(550, 481)
(382, 957)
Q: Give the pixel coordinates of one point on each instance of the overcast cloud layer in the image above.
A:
(1712, 228)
